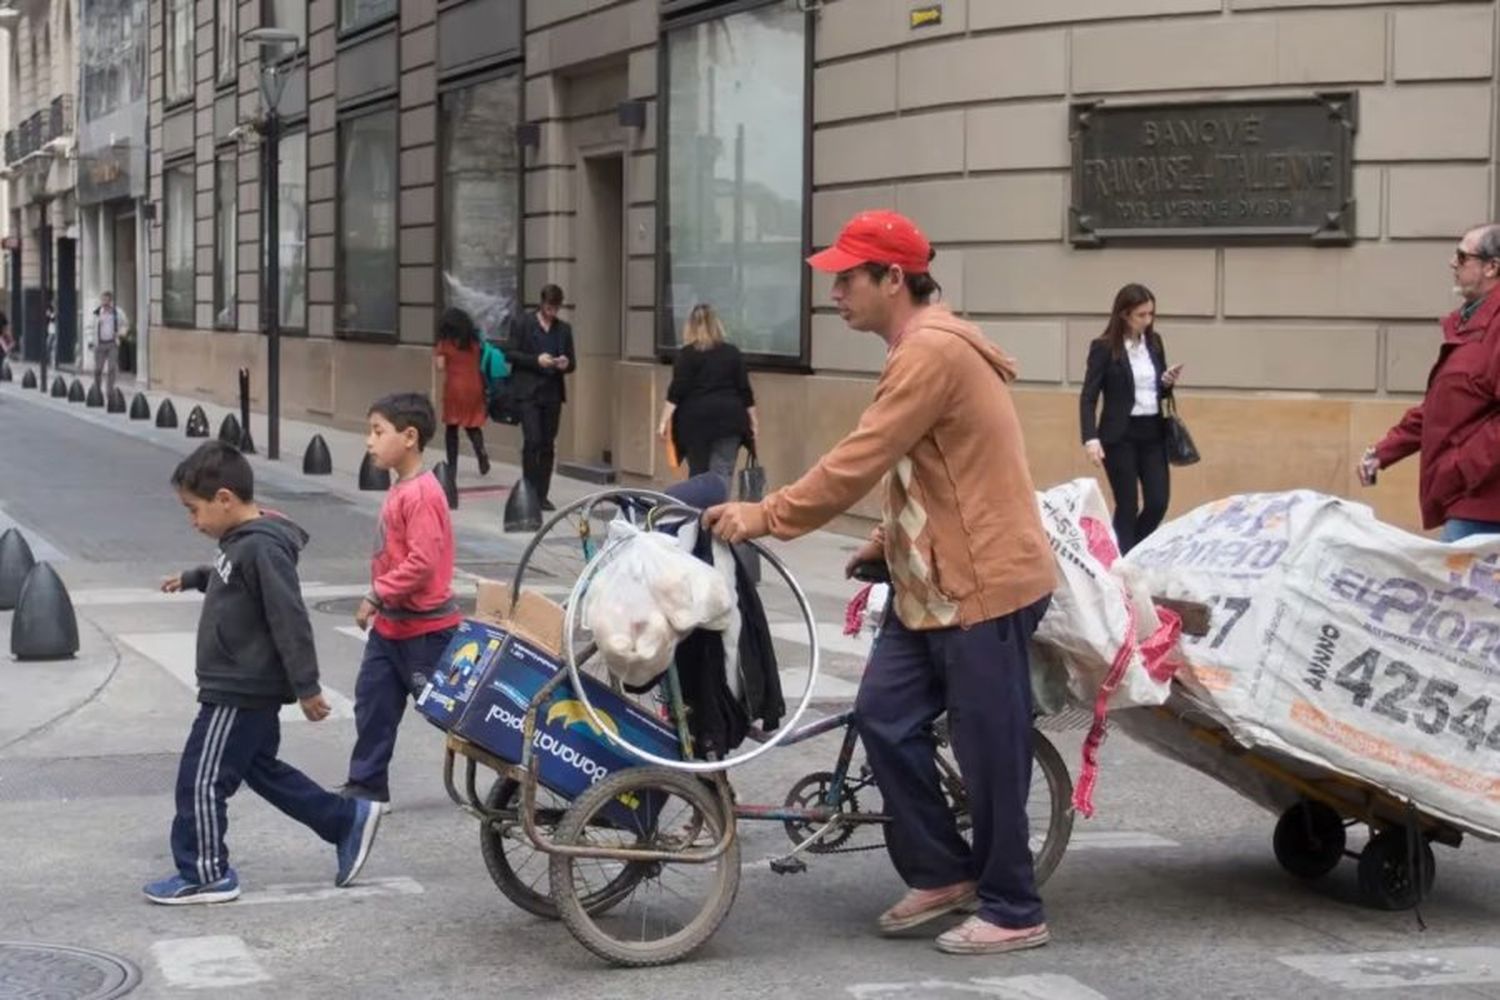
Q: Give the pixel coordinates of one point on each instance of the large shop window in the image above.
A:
(736, 176)
(356, 14)
(179, 55)
(290, 14)
(226, 41)
(226, 240)
(368, 299)
(291, 230)
(482, 201)
(178, 306)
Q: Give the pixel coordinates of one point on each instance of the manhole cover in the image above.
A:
(57, 972)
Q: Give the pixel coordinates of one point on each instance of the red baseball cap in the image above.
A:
(876, 237)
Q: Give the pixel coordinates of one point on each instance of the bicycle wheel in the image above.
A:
(1050, 810)
(675, 906)
(519, 869)
(1049, 805)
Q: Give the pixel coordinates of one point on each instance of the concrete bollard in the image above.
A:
(140, 408)
(115, 401)
(28, 380)
(372, 478)
(316, 461)
(166, 415)
(44, 626)
(523, 510)
(76, 393)
(229, 430)
(6, 375)
(59, 388)
(95, 398)
(16, 561)
(197, 423)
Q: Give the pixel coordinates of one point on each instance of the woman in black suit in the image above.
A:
(1128, 364)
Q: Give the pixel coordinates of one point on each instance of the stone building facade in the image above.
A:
(40, 149)
(648, 153)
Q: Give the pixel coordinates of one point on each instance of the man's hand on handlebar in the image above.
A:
(870, 551)
(736, 522)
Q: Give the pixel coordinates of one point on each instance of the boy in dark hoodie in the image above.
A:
(255, 654)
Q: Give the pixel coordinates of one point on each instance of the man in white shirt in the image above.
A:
(110, 324)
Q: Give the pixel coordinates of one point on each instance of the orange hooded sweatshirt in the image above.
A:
(961, 529)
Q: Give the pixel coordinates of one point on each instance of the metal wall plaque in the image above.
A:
(1275, 169)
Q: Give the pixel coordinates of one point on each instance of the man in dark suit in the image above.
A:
(542, 355)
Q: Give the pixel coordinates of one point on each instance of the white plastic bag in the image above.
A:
(648, 594)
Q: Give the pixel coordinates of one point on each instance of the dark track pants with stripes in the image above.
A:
(228, 746)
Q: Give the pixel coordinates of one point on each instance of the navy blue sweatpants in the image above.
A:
(982, 677)
(228, 746)
(392, 671)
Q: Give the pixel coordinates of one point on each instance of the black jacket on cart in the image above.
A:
(717, 719)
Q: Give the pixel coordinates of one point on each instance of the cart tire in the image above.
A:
(707, 824)
(507, 856)
(1385, 871)
(1046, 858)
(1309, 839)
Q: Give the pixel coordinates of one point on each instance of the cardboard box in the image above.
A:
(473, 648)
(534, 616)
(570, 752)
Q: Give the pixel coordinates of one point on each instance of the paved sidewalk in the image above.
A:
(39, 695)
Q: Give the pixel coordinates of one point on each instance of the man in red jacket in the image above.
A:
(1456, 427)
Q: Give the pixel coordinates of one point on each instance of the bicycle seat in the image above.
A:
(872, 571)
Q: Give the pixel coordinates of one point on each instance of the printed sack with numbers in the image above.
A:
(1220, 555)
(1362, 648)
(1101, 612)
(1101, 631)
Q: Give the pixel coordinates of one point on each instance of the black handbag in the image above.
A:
(1180, 447)
(751, 486)
(752, 479)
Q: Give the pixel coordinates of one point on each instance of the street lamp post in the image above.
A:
(271, 42)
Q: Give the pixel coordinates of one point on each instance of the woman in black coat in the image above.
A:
(1128, 365)
(710, 409)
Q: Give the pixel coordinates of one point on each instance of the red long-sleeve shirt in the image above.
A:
(412, 571)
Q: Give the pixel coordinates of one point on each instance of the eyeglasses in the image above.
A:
(1462, 256)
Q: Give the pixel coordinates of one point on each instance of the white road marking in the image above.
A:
(1046, 986)
(315, 892)
(176, 652)
(831, 638)
(1410, 971)
(1116, 840)
(1081, 840)
(828, 687)
(352, 631)
(207, 963)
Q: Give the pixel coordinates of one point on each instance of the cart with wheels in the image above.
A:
(1316, 807)
(643, 864)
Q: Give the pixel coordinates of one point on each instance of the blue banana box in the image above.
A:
(455, 676)
(571, 752)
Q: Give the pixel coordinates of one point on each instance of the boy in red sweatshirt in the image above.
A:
(410, 604)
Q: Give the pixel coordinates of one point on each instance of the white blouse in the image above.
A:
(1143, 369)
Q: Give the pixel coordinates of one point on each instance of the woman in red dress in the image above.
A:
(456, 356)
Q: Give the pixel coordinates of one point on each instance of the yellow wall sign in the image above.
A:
(925, 17)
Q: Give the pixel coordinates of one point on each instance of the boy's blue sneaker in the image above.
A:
(354, 849)
(174, 890)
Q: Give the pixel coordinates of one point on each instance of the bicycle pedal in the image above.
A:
(788, 866)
